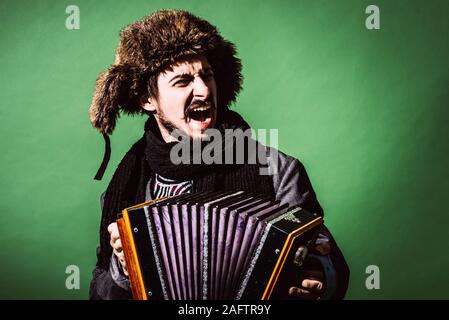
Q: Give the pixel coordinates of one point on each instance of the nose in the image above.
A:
(200, 88)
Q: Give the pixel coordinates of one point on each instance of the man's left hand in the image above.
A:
(312, 281)
(312, 285)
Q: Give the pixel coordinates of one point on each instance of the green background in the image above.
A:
(364, 110)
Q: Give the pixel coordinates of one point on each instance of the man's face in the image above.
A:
(187, 98)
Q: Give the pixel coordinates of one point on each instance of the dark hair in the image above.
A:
(152, 88)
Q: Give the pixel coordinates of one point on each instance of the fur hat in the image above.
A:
(148, 47)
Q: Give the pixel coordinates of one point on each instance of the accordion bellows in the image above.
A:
(233, 245)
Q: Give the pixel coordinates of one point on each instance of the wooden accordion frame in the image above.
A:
(233, 245)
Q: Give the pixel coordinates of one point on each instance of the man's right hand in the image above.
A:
(116, 245)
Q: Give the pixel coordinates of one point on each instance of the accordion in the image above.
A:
(233, 245)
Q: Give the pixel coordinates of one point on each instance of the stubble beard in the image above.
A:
(166, 127)
(167, 124)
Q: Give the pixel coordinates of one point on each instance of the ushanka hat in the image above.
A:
(150, 46)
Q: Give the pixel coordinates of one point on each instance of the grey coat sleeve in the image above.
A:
(292, 185)
(103, 286)
(108, 283)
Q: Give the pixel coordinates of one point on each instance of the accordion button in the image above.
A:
(300, 256)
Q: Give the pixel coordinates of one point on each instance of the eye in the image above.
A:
(208, 76)
(182, 82)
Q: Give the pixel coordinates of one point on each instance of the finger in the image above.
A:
(121, 258)
(118, 245)
(114, 237)
(124, 267)
(119, 255)
(113, 230)
(312, 285)
(301, 293)
(112, 242)
(112, 227)
(117, 248)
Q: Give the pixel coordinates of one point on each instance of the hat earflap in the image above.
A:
(117, 88)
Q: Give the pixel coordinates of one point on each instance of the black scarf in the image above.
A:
(150, 154)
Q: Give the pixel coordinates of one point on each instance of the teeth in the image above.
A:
(201, 109)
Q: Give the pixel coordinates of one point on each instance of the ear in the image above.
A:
(149, 104)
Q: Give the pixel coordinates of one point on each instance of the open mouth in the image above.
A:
(199, 113)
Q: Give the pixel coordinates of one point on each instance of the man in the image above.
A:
(178, 69)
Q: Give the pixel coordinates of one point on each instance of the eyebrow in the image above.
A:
(188, 75)
(180, 75)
